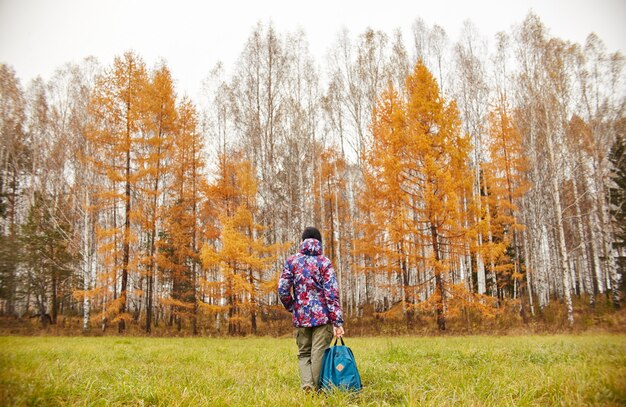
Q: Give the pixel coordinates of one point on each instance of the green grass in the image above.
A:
(475, 371)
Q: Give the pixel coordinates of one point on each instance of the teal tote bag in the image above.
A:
(339, 369)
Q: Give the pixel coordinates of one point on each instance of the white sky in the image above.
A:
(38, 36)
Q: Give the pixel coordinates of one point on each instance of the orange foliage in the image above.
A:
(117, 107)
(240, 257)
(179, 246)
(505, 185)
(416, 173)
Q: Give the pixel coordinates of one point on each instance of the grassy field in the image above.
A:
(519, 370)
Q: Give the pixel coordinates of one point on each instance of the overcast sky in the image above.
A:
(38, 36)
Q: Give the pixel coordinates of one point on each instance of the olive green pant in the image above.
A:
(312, 342)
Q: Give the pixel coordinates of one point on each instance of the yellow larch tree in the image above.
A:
(117, 107)
(178, 257)
(222, 199)
(419, 162)
(389, 239)
(435, 174)
(160, 127)
(505, 184)
(242, 256)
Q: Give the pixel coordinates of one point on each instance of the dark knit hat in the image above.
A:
(311, 233)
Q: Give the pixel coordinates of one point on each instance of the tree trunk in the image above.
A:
(607, 246)
(253, 305)
(89, 261)
(126, 242)
(337, 236)
(558, 212)
(408, 303)
(493, 286)
(439, 281)
(529, 286)
(584, 268)
(55, 282)
(598, 281)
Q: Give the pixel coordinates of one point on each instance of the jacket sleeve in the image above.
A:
(285, 283)
(331, 294)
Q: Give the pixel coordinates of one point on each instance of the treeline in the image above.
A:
(450, 183)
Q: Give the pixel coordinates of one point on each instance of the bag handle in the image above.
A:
(342, 342)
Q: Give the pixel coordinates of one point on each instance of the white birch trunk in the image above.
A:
(584, 267)
(597, 270)
(529, 286)
(480, 272)
(337, 237)
(612, 277)
(493, 286)
(88, 262)
(544, 295)
(558, 213)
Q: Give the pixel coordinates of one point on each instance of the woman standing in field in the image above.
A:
(314, 304)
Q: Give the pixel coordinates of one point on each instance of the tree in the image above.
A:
(14, 159)
(331, 181)
(617, 199)
(602, 110)
(258, 111)
(180, 249)
(301, 117)
(472, 93)
(360, 68)
(386, 243)
(46, 255)
(421, 204)
(160, 130)
(437, 176)
(579, 144)
(118, 107)
(505, 181)
(67, 146)
(542, 118)
(423, 161)
(241, 258)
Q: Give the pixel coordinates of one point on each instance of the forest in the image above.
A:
(457, 185)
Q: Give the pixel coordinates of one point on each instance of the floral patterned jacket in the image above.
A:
(315, 299)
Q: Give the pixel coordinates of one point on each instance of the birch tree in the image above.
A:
(14, 159)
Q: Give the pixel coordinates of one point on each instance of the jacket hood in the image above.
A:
(311, 247)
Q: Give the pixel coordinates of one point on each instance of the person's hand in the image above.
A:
(338, 331)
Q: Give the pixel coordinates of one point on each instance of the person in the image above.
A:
(314, 304)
